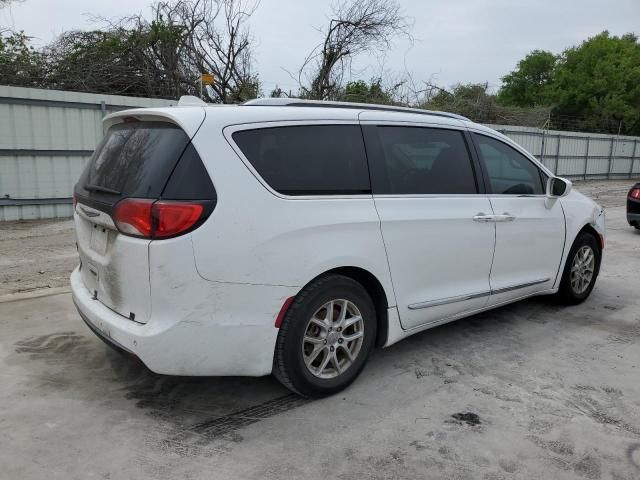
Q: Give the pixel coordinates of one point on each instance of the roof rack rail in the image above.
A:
(300, 102)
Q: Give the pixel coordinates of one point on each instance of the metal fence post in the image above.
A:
(586, 159)
(633, 158)
(610, 158)
(555, 170)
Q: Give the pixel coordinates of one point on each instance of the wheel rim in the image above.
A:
(333, 338)
(582, 269)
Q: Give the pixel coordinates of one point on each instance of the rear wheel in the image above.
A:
(325, 337)
(581, 269)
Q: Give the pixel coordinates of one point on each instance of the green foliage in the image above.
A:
(247, 89)
(363, 92)
(95, 61)
(277, 92)
(528, 84)
(471, 100)
(476, 102)
(20, 64)
(599, 83)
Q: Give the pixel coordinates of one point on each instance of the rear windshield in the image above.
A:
(134, 159)
(308, 160)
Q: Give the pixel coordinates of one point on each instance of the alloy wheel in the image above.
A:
(582, 269)
(333, 338)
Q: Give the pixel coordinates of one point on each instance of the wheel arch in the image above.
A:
(588, 228)
(376, 291)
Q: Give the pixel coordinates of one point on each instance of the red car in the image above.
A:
(633, 206)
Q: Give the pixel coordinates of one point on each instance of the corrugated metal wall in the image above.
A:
(580, 155)
(46, 136)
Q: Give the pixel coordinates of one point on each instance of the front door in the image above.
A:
(427, 195)
(530, 229)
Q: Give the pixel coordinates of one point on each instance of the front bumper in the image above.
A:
(206, 340)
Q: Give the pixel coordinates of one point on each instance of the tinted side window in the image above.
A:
(309, 159)
(419, 160)
(508, 170)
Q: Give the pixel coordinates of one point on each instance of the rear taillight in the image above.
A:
(172, 218)
(635, 193)
(132, 216)
(156, 219)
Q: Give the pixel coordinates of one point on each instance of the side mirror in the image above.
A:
(558, 187)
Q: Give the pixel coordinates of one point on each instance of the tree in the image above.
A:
(356, 27)
(161, 57)
(528, 84)
(476, 102)
(100, 61)
(20, 64)
(218, 41)
(598, 84)
(363, 92)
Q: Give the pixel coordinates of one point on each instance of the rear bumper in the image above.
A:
(633, 211)
(206, 340)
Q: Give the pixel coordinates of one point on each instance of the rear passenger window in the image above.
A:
(419, 160)
(308, 159)
(509, 172)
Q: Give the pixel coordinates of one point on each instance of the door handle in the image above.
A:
(505, 217)
(482, 217)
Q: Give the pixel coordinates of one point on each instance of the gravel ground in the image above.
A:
(36, 254)
(41, 254)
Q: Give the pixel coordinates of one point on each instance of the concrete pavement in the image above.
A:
(532, 390)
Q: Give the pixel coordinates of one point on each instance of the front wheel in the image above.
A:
(325, 337)
(581, 269)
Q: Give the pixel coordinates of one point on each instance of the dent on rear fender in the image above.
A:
(180, 295)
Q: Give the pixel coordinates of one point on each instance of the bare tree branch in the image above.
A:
(355, 27)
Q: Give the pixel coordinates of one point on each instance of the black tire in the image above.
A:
(288, 364)
(566, 293)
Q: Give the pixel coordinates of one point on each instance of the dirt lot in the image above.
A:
(534, 390)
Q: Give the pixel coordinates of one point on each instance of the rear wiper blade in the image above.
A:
(98, 188)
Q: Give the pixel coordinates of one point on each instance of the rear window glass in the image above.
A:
(134, 159)
(309, 159)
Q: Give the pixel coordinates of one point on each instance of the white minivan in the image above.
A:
(291, 237)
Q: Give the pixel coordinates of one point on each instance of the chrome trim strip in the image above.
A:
(472, 296)
(517, 287)
(445, 301)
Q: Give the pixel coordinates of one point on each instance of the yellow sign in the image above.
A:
(208, 79)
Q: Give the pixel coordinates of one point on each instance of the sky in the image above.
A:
(454, 40)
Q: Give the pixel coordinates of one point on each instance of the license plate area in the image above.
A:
(99, 239)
